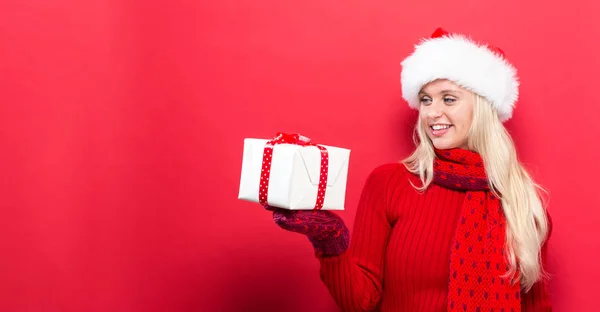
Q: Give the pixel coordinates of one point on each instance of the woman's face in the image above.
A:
(446, 111)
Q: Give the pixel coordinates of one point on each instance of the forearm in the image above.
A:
(354, 278)
(352, 287)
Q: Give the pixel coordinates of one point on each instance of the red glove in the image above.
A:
(324, 229)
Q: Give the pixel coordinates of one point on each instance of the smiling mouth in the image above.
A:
(440, 127)
(439, 130)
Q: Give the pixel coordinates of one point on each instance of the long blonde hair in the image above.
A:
(526, 217)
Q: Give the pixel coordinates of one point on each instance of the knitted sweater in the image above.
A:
(399, 253)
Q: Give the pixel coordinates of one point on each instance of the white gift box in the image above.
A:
(294, 177)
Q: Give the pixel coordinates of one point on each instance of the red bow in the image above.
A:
(265, 174)
(293, 138)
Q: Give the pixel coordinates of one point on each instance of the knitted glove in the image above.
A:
(324, 229)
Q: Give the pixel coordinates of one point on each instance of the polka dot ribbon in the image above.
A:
(265, 174)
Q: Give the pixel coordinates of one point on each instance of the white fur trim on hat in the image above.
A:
(471, 65)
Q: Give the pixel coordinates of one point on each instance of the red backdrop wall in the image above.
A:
(122, 124)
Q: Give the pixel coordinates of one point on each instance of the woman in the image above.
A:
(458, 225)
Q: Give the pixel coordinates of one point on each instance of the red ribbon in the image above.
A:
(265, 174)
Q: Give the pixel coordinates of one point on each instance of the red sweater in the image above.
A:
(399, 253)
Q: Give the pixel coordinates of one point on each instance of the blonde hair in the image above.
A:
(525, 214)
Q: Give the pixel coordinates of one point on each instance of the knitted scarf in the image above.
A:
(477, 259)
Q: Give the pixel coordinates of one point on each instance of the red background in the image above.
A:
(122, 124)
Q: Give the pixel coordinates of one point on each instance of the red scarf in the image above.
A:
(477, 259)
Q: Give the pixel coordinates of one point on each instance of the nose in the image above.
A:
(434, 110)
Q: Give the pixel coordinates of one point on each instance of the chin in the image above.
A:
(443, 145)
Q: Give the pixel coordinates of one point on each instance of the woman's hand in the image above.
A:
(325, 229)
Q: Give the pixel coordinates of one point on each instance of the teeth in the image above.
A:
(440, 127)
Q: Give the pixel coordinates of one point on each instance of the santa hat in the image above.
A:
(478, 67)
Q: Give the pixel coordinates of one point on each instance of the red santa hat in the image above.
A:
(478, 67)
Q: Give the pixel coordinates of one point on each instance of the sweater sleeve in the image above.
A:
(354, 278)
(537, 299)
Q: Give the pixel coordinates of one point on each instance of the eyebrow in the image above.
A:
(444, 91)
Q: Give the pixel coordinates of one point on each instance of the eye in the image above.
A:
(449, 100)
(425, 100)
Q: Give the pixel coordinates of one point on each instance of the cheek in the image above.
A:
(468, 113)
(467, 120)
(462, 131)
(423, 116)
(463, 118)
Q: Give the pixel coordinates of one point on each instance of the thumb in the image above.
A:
(286, 219)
